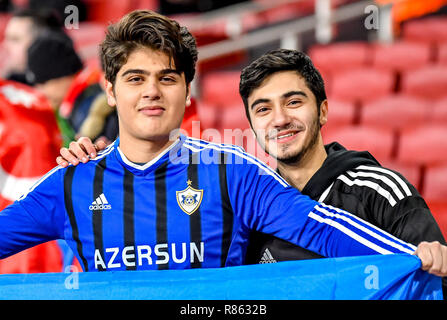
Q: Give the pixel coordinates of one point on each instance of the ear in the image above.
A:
(188, 95)
(110, 94)
(323, 112)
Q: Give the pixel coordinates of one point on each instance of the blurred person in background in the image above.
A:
(56, 70)
(24, 115)
(22, 29)
(284, 96)
(59, 6)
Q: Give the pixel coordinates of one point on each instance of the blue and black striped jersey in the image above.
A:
(192, 206)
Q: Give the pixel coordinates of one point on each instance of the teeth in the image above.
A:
(285, 136)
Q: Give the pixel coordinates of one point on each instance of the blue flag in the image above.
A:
(395, 276)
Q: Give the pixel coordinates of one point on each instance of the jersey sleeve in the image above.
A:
(408, 217)
(36, 217)
(265, 202)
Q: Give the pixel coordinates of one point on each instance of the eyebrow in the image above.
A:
(258, 101)
(284, 96)
(145, 72)
(293, 93)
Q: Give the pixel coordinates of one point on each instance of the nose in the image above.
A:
(280, 118)
(152, 90)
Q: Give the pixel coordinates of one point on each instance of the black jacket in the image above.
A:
(356, 182)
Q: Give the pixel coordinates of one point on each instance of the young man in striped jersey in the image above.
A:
(173, 201)
(284, 96)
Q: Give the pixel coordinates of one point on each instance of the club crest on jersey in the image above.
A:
(189, 199)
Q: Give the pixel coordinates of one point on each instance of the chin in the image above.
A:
(288, 157)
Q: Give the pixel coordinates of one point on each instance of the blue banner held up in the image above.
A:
(368, 277)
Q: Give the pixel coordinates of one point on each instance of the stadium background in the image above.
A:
(386, 78)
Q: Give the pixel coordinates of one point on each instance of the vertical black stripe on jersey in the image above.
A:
(68, 183)
(128, 214)
(161, 208)
(227, 210)
(97, 215)
(195, 224)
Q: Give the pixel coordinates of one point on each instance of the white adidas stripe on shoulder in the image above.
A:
(197, 145)
(365, 172)
(398, 179)
(366, 183)
(349, 233)
(383, 178)
(368, 227)
(104, 152)
(201, 141)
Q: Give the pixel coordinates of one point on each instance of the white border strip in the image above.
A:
(349, 233)
(150, 163)
(349, 217)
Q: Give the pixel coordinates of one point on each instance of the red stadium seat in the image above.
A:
(411, 172)
(379, 142)
(425, 145)
(432, 29)
(88, 33)
(233, 117)
(207, 115)
(439, 211)
(438, 112)
(340, 56)
(340, 113)
(106, 11)
(435, 186)
(221, 88)
(442, 53)
(401, 55)
(362, 85)
(428, 82)
(287, 11)
(395, 111)
(86, 40)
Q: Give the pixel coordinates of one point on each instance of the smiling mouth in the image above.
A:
(284, 136)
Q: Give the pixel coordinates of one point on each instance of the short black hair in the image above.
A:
(43, 19)
(144, 28)
(281, 60)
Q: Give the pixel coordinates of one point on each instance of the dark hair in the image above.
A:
(43, 19)
(281, 60)
(149, 29)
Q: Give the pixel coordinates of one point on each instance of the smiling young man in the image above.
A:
(286, 105)
(156, 199)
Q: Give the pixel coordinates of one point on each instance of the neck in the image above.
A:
(298, 174)
(143, 151)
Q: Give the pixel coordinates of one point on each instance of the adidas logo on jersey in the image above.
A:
(100, 203)
(267, 257)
